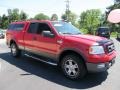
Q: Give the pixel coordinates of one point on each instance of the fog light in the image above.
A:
(102, 65)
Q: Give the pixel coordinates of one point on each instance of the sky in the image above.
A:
(48, 7)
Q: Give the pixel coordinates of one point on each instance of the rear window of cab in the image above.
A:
(16, 27)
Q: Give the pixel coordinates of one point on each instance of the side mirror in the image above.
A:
(48, 34)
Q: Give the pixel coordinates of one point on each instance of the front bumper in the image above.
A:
(99, 67)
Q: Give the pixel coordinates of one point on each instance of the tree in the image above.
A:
(71, 18)
(23, 15)
(54, 17)
(64, 17)
(13, 15)
(10, 15)
(0, 21)
(117, 1)
(5, 22)
(90, 20)
(41, 16)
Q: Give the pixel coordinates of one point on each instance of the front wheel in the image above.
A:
(15, 52)
(73, 67)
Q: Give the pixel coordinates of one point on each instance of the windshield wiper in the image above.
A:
(78, 33)
(67, 33)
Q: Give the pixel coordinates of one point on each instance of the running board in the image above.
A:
(48, 62)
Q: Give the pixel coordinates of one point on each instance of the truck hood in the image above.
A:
(85, 38)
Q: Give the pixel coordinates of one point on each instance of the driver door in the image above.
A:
(45, 46)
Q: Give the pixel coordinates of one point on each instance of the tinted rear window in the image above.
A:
(11, 27)
(17, 27)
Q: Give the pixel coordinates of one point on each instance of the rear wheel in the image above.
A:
(15, 52)
(73, 67)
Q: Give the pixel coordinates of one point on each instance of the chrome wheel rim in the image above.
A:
(71, 67)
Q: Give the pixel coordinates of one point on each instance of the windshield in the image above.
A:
(65, 28)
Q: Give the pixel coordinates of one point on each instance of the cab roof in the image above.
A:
(30, 21)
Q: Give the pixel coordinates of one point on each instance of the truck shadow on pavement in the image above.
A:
(52, 73)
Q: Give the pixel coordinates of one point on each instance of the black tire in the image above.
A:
(15, 52)
(77, 68)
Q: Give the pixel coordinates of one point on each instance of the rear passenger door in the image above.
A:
(29, 37)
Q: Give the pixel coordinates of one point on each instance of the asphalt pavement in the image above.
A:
(28, 74)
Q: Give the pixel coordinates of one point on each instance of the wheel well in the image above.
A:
(67, 52)
(12, 41)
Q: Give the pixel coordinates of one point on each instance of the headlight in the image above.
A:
(96, 49)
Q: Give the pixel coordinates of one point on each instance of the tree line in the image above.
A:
(88, 21)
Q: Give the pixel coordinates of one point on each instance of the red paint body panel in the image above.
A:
(78, 43)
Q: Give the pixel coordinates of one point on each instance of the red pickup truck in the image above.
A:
(60, 43)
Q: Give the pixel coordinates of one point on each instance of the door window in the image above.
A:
(43, 27)
(33, 28)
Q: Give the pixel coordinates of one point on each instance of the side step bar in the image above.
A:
(48, 62)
